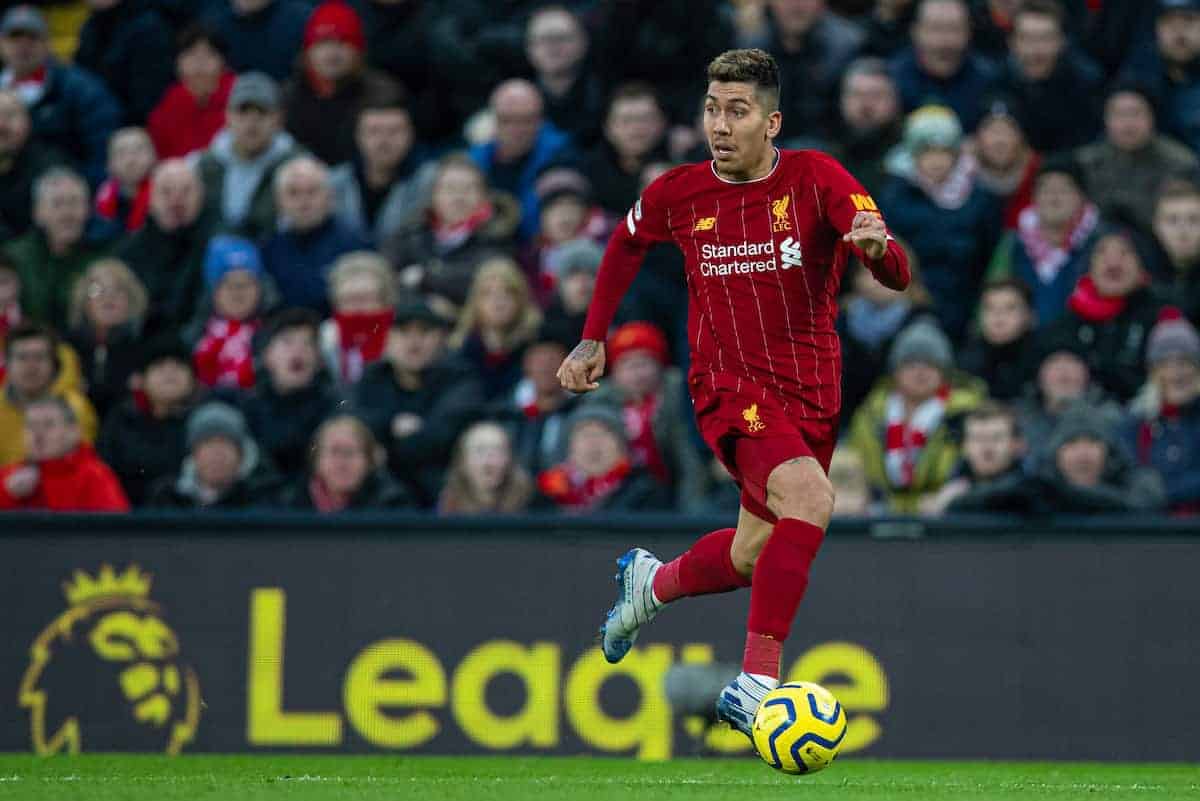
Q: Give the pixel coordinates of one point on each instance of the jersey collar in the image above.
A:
(713, 166)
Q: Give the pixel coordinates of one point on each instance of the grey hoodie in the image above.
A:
(242, 178)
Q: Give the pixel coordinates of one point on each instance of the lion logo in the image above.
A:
(106, 674)
(779, 209)
(753, 423)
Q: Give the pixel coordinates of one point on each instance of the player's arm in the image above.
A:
(643, 226)
(853, 213)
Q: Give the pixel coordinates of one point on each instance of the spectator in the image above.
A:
(56, 251)
(992, 23)
(262, 35)
(576, 266)
(362, 290)
(167, 253)
(224, 468)
(238, 169)
(1110, 312)
(1130, 163)
(990, 477)
(347, 472)
(1054, 86)
(1118, 29)
(1177, 230)
(292, 395)
(903, 430)
(127, 45)
(484, 478)
(143, 437)
(1087, 473)
(538, 407)
(556, 45)
(61, 472)
(939, 67)
(22, 159)
(332, 82)
(568, 215)
(888, 27)
(852, 495)
(310, 238)
(635, 129)
(812, 46)
(1171, 68)
(1163, 426)
(597, 474)
(1007, 165)
(71, 110)
(106, 316)
(438, 253)
(237, 294)
(124, 197)
(497, 322)
(872, 315)
(871, 123)
(36, 370)
(524, 145)
(649, 394)
(417, 401)
(937, 206)
(1003, 352)
(1049, 249)
(192, 111)
(387, 180)
(10, 303)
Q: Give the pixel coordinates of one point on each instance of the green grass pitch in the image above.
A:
(318, 778)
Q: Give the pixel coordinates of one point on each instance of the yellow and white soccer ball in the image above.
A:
(799, 728)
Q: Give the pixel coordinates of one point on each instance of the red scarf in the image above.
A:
(1087, 302)
(574, 492)
(324, 500)
(907, 434)
(224, 356)
(108, 203)
(361, 339)
(451, 235)
(643, 447)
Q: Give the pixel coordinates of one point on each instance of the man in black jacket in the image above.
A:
(128, 45)
(22, 160)
(990, 478)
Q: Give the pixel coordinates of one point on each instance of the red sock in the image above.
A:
(780, 579)
(704, 569)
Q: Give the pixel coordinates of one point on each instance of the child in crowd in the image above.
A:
(1002, 353)
(124, 198)
(234, 276)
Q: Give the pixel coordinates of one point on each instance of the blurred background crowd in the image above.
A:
(272, 253)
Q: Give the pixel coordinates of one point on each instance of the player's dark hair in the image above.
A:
(751, 66)
(994, 410)
(1042, 8)
(198, 32)
(1015, 284)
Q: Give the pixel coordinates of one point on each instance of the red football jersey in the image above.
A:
(764, 260)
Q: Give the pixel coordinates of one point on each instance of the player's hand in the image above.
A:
(583, 367)
(22, 482)
(868, 232)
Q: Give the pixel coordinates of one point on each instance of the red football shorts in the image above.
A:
(753, 432)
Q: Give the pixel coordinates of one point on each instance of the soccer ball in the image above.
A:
(799, 728)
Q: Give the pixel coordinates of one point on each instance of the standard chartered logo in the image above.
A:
(750, 257)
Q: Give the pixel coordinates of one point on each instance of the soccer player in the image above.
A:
(765, 234)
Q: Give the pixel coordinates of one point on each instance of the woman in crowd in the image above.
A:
(484, 478)
(362, 292)
(499, 319)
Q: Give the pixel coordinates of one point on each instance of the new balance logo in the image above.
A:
(705, 224)
(790, 253)
(863, 203)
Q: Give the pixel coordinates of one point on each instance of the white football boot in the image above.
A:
(740, 699)
(636, 605)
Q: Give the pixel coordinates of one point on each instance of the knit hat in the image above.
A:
(228, 253)
(921, 341)
(1080, 421)
(932, 126)
(418, 310)
(254, 89)
(999, 105)
(216, 419)
(559, 181)
(24, 19)
(335, 19)
(597, 413)
(638, 336)
(1173, 335)
(576, 256)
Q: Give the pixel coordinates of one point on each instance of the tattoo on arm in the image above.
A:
(585, 349)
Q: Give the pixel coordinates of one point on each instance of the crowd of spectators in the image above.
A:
(329, 255)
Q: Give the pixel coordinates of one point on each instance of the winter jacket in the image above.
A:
(637, 492)
(1006, 369)
(256, 484)
(865, 360)
(535, 434)
(130, 47)
(404, 203)
(77, 482)
(1124, 488)
(614, 189)
(107, 366)
(1120, 182)
(937, 459)
(1011, 492)
(308, 114)
(283, 424)
(142, 448)
(241, 193)
(181, 124)
(1061, 112)
(267, 40)
(497, 372)
(672, 435)
(300, 261)
(1168, 441)
(964, 92)
(1012, 260)
(1037, 423)
(1178, 93)
(379, 491)
(170, 265)
(862, 153)
(18, 171)
(47, 279)
(12, 417)
(579, 112)
(449, 398)
(76, 115)
(550, 147)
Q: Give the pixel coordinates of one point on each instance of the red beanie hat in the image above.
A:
(335, 20)
(637, 336)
